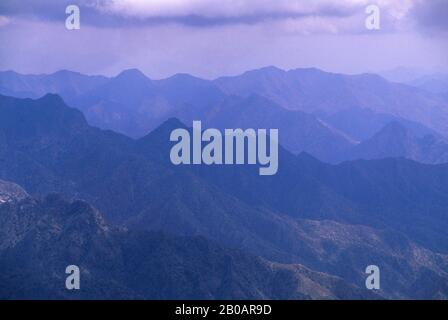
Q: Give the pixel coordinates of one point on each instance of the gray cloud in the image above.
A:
(42, 9)
(431, 15)
(194, 37)
(208, 13)
(197, 13)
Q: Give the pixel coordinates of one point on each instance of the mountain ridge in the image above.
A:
(44, 235)
(390, 211)
(147, 103)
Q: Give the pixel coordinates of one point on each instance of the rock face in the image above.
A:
(40, 237)
(11, 192)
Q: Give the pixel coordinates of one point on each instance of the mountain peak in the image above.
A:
(64, 72)
(51, 98)
(271, 70)
(307, 70)
(183, 75)
(184, 79)
(132, 74)
(393, 129)
(154, 144)
(392, 141)
(167, 126)
(173, 122)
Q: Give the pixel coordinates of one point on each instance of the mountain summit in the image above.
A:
(395, 140)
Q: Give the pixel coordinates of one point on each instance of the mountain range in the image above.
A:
(313, 90)
(325, 123)
(331, 219)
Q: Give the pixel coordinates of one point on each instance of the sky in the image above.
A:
(211, 38)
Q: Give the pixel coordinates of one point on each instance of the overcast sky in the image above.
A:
(209, 38)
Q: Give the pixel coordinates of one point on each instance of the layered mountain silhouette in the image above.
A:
(314, 90)
(133, 104)
(321, 113)
(66, 83)
(330, 219)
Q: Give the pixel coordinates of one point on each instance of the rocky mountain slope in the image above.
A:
(39, 238)
(11, 192)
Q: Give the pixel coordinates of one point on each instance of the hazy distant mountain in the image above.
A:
(132, 104)
(362, 124)
(394, 140)
(332, 219)
(403, 74)
(65, 83)
(39, 238)
(347, 109)
(313, 90)
(298, 131)
(430, 81)
(435, 83)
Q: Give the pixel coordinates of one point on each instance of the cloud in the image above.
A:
(227, 8)
(42, 9)
(431, 15)
(224, 12)
(199, 13)
(166, 42)
(302, 16)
